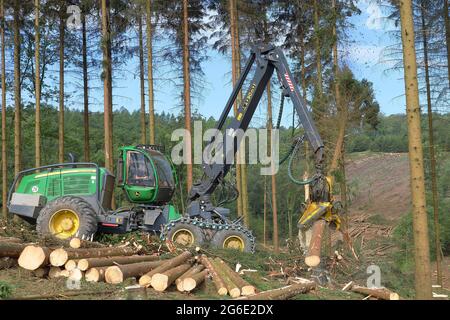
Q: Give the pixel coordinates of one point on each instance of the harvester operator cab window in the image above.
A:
(140, 170)
(164, 170)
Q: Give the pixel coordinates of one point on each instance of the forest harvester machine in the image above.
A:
(74, 198)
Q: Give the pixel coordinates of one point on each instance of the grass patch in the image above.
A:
(5, 290)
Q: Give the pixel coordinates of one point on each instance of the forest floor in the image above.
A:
(379, 192)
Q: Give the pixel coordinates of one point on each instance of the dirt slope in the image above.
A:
(379, 184)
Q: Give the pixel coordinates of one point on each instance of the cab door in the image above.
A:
(139, 177)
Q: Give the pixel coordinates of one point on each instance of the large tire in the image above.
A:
(67, 217)
(233, 239)
(186, 234)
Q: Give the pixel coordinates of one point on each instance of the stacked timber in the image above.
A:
(146, 279)
(183, 272)
(90, 258)
(226, 280)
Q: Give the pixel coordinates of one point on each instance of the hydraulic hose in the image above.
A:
(297, 145)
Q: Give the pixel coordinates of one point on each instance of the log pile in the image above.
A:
(79, 260)
(79, 257)
(225, 279)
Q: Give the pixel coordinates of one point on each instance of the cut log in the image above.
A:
(218, 282)
(95, 274)
(77, 243)
(232, 288)
(84, 264)
(379, 293)
(60, 256)
(11, 240)
(312, 258)
(7, 262)
(194, 280)
(245, 287)
(71, 264)
(161, 281)
(10, 249)
(146, 279)
(64, 273)
(75, 274)
(283, 293)
(64, 295)
(117, 274)
(193, 270)
(33, 257)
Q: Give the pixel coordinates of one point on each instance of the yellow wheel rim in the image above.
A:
(183, 237)
(234, 242)
(64, 223)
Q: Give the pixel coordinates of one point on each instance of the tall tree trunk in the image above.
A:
(37, 133)
(242, 152)
(265, 212)
(107, 84)
(17, 91)
(187, 94)
(342, 110)
(85, 89)
(235, 76)
(4, 140)
(62, 25)
(447, 36)
(274, 180)
(437, 235)
(141, 81)
(420, 224)
(151, 107)
(318, 48)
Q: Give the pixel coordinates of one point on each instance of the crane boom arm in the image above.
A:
(267, 58)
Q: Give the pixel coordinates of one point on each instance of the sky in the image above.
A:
(363, 51)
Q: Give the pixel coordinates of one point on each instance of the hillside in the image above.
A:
(379, 184)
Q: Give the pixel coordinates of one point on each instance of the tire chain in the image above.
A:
(205, 225)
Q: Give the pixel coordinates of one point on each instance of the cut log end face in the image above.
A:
(32, 257)
(83, 264)
(75, 243)
(189, 284)
(92, 275)
(312, 261)
(70, 265)
(222, 291)
(248, 290)
(394, 296)
(160, 282)
(64, 273)
(114, 275)
(235, 292)
(58, 257)
(145, 280)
